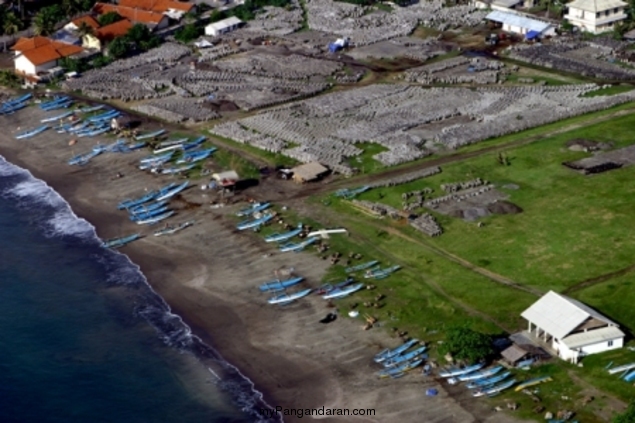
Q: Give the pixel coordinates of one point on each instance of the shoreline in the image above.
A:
(208, 275)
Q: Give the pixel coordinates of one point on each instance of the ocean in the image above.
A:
(83, 337)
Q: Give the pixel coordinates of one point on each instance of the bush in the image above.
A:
(188, 33)
(9, 79)
(119, 47)
(109, 18)
(466, 344)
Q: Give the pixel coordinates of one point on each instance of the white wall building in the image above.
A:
(595, 16)
(519, 24)
(222, 27)
(572, 328)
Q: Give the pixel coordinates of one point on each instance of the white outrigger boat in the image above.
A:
(155, 219)
(173, 229)
(287, 298)
(341, 293)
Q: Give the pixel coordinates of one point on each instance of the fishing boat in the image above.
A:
(18, 100)
(56, 100)
(58, 117)
(483, 374)
(404, 357)
(388, 353)
(619, 369)
(75, 127)
(494, 389)
(196, 156)
(98, 131)
(177, 144)
(155, 219)
(343, 292)
(397, 371)
(532, 382)
(256, 223)
(83, 159)
(255, 208)
(127, 204)
(481, 383)
(148, 215)
(106, 119)
(326, 288)
(146, 208)
(150, 135)
(381, 273)
(32, 133)
(297, 247)
(277, 237)
(104, 116)
(195, 143)
(287, 298)
(461, 371)
(137, 145)
(630, 377)
(9, 110)
(525, 363)
(120, 242)
(91, 109)
(150, 159)
(169, 143)
(169, 230)
(351, 193)
(175, 170)
(173, 191)
(362, 266)
(58, 105)
(279, 285)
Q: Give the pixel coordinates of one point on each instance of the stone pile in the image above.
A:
(178, 109)
(408, 177)
(427, 224)
(216, 52)
(457, 186)
(458, 70)
(576, 57)
(402, 47)
(378, 209)
(286, 67)
(277, 20)
(365, 25)
(460, 197)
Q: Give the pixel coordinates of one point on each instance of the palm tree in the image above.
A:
(11, 24)
(42, 24)
(84, 29)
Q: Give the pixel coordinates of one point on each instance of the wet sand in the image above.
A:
(209, 275)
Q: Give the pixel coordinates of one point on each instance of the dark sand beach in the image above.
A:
(209, 275)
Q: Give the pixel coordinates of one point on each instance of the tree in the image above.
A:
(118, 47)
(142, 38)
(84, 29)
(188, 33)
(466, 344)
(627, 416)
(109, 18)
(46, 19)
(11, 24)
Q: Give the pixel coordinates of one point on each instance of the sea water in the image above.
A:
(83, 338)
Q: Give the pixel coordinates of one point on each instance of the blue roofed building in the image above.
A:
(520, 24)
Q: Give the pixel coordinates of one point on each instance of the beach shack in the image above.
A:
(571, 329)
(226, 179)
(520, 24)
(308, 172)
(222, 27)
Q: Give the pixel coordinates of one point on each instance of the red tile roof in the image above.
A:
(159, 6)
(24, 44)
(89, 20)
(117, 29)
(135, 15)
(54, 50)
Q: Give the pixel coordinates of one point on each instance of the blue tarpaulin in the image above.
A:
(532, 35)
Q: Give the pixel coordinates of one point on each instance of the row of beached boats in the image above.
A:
(167, 230)
(152, 207)
(184, 152)
(626, 371)
(11, 106)
(327, 291)
(398, 361)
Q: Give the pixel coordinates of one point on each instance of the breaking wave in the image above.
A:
(56, 218)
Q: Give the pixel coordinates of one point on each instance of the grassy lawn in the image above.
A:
(572, 227)
(365, 162)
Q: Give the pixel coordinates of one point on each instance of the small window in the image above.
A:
(610, 343)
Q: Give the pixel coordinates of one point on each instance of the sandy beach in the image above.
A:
(209, 275)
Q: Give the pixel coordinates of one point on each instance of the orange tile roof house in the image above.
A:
(110, 32)
(159, 6)
(39, 54)
(75, 24)
(152, 19)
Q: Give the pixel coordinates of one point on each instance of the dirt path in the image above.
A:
(598, 279)
(605, 411)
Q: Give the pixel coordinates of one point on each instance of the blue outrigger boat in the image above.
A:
(151, 159)
(381, 273)
(194, 143)
(32, 133)
(156, 219)
(297, 247)
(137, 145)
(18, 100)
(128, 204)
(404, 357)
(488, 382)
(174, 145)
(255, 208)
(461, 371)
(106, 118)
(120, 242)
(82, 159)
(135, 217)
(326, 288)
(196, 156)
(106, 115)
(287, 298)
(362, 266)
(61, 105)
(388, 353)
(172, 192)
(279, 285)
(343, 292)
(169, 230)
(52, 103)
(254, 224)
(9, 110)
(496, 389)
(533, 382)
(58, 117)
(146, 208)
(399, 370)
(91, 109)
(483, 374)
(150, 135)
(277, 237)
(175, 170)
